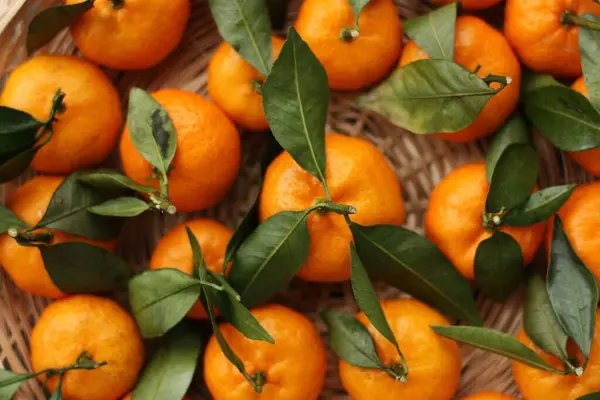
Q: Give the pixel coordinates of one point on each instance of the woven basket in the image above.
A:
(420, 163)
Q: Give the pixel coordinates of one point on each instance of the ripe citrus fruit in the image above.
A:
(128, 397)
(25, 264)
(433, 362)
(544, 43)
(469, 4)
(536, 384)
(454, 222)
(477, 43)
(98, 327)
(292, 369)
(174, 251)
(489, 396)
(208, 152)
(235, 86)
(92, 110)
(352, 62)
(357, 175)
(130, 34)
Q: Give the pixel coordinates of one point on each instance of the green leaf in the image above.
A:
(495, 342)
(10, 382)
(435, 31)
(295, 99)
(151, 130)
(573, 290)
(270, 257)
(357, 6)
(169, 373)
(161, 298)
(350, 340)
(590, 396)
(589, 44)
(498, 266)
(199, 270)
(57, 395)
(540, 321)
(15, 164)
(9, 220)
(539, 206)
(430, 96)
(247, 28)
(51, 21)
(413, 264)
(565, 117)
(120, 207)
(79, 267)
(515, 131)
(533, 81)
(107, 179)
(514, 178)
(17, 129)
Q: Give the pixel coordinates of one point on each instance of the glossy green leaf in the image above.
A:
(17, 129)
(107, 179)
(151, 130)
(430, 96)
(270, 257)
(357, 6)
(495, 342)
(169, 373)
(10, 382)
(514, 178)
(515, 131)
(413, 264)
(120, 207)
(565, 117)
(435, 31)
(14, 165)
(247, 28)
(295, 99)
(79, 267)
(540, 321)
(161, 298)
(539, 206)
(49, 22)
(573, 290)
(589, 44)
(9, 220)
(498, 266)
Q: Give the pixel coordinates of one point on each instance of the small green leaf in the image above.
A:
(169, 373)
(107, 179)
(270, 257)
(14, 165)
(247, 28)
(51, 21)
(161, 298)
(589, 44)
(498, 266)
(565, 117)
(430, 96)
(151, 130)
(79, 267)
(514, 178)
(351, 341)
(539, 206)
(495, 342)
(573, 290)
(10, 382)
(540, 321)
(435, 31)
(413, 264)
(357, 6)
(515, 131)
(9, 220)
(17, 130)
(120, 207)
(198, 264)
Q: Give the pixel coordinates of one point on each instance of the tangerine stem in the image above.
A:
(349, 34)
(257, 85)
(504, 81)
(27, 237)
(571, 18)
(117, 4)
(259, 379)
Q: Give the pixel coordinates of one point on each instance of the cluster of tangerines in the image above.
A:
(330, 206)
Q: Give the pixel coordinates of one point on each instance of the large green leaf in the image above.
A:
(430, 96)
(539, 206)
(413, 264)
(120, 207)
(589, 44)
(435, 31)
(515, 131)
(17, 129)
(15, 164)
(9, 220)
(107, 179)
(10, 382)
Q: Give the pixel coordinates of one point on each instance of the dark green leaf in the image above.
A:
(199, 270)
(9, 220)
(270, 257)
(10, 382)
(246, 26)
(151, 130)
(120, 207)
(515, 131)
(17, 129)
(565, 117)
(591, 396)
(296, 98)
(51, 21)
(495, 342)
(539, 206)
(514, 178)
(413, 264)
(430, 96)
(79, 267)
(107, 179)
(357, 6)
(169, 373)
(589, 44)
(573, 290)
(161, 298)
(278, 11)
(435, 31)
(540, 321)
(498, 266)
(14, 165)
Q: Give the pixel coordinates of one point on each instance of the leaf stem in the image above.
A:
(26, 237)
(571, 18)
(323, 206)
(162, 203)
